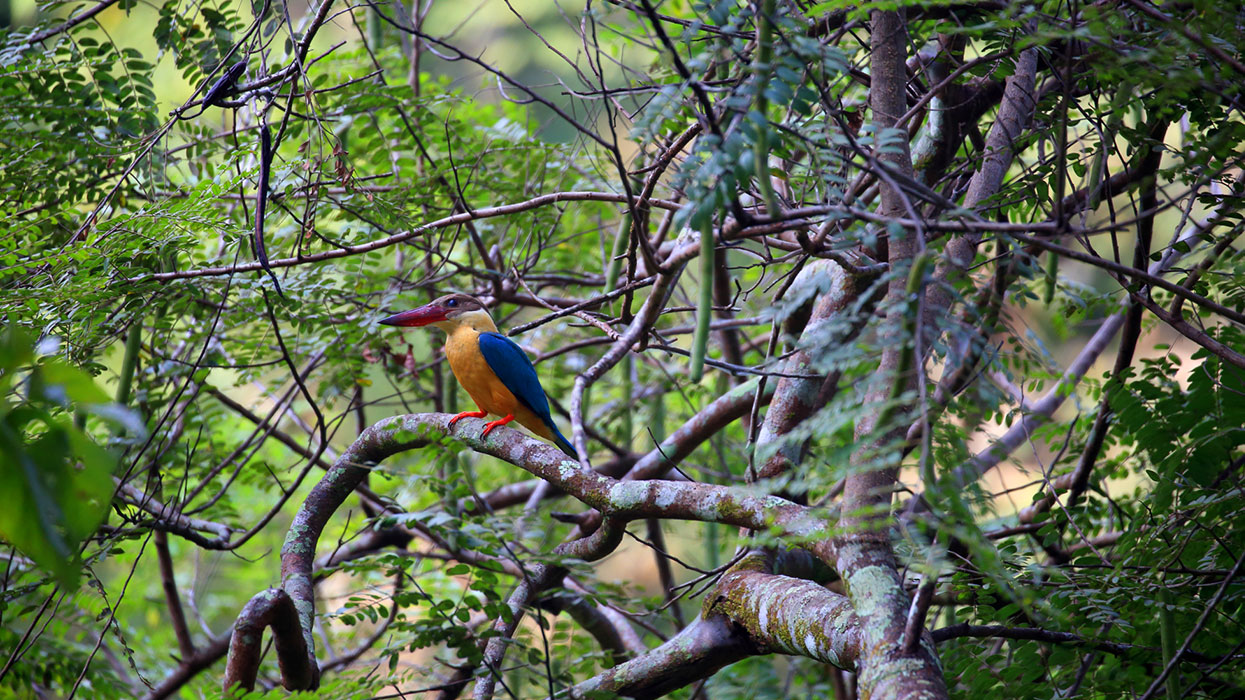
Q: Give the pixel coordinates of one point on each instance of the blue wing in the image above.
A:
(510, 364)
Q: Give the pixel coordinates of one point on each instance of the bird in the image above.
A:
(491, 368)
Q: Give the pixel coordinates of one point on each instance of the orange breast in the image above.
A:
(462, 349)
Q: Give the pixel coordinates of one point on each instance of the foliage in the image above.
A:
(54, 476)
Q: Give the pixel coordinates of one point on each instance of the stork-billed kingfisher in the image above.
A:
(492, 368)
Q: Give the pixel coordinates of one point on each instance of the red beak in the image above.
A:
(424, 315)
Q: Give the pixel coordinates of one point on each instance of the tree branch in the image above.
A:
(272, 608)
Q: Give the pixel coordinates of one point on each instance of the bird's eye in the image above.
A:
(452, 302)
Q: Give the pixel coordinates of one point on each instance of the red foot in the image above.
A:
(488, 427)
(467, 414)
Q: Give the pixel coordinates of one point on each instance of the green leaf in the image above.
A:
(75, 385)
(57, 488)
(57, 482)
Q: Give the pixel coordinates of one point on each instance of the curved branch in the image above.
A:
(789, 616)
(619, 501)
(271, 608)
(749, 613)
(697, 651)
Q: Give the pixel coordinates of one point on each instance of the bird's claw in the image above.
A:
(488, 427)
(467, 414)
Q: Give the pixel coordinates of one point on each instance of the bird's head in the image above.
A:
(447, 313)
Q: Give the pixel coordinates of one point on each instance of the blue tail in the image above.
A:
(560, 440)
